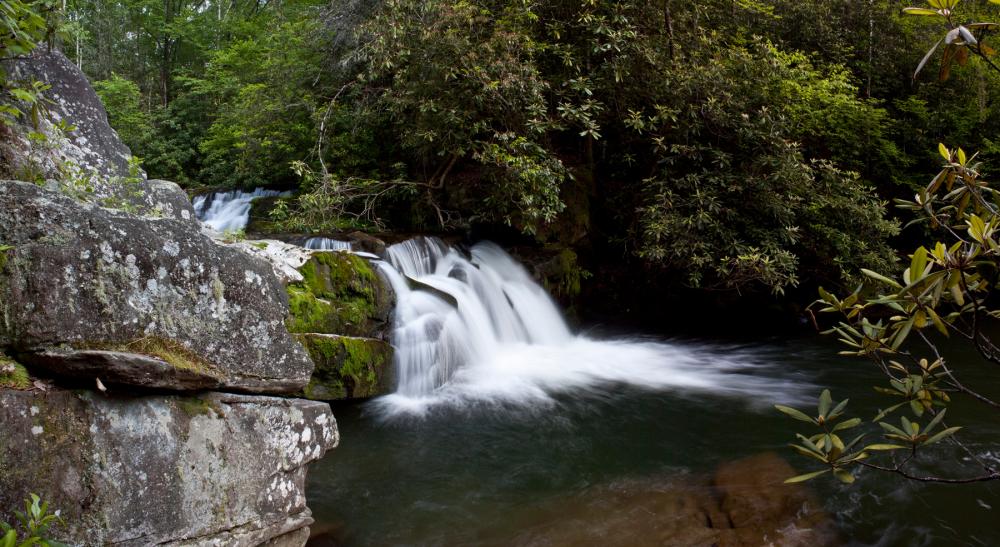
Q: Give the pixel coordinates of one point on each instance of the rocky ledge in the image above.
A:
(213, 469)
(117, 314)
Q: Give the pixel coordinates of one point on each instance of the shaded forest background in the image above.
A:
(657, 149)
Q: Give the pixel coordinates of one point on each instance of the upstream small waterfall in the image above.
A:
(476, 328)
(327, 244)
(229, 211)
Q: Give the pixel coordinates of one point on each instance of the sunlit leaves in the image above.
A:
(960, 40)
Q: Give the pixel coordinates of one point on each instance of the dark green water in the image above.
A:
(480, 475)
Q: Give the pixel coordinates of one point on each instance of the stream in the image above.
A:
(506, 428)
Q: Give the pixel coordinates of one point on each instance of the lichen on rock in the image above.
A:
(82, 276)
(216, 469)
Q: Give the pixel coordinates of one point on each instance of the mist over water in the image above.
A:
(476, 329)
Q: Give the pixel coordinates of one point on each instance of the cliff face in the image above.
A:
(126, 333)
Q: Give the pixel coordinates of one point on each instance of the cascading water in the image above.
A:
(477, 328)
(327, 244)
(229, 211)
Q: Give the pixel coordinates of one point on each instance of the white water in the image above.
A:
(327, 244)
(478, 329)
(229, 211)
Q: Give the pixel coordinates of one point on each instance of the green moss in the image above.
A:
(196, 406)
(338, 295)
(170, 351)
(13, 375)
(347, 368)
(563, 276)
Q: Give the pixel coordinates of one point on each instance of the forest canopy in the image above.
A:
(725, 144)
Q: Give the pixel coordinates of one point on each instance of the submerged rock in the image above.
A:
(747, 505)
(347, 367)
(88, 278)
(217, 469)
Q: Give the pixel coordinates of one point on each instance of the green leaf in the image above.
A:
(8, 539)
(903, 332)
(880, 277)
(880, 446)
(927, 57)
(798, 415)
(920, 11)
(807, 476)
(839, 409)
(847, 424)
(945, 433)
(918, 262)
(937, 419)
(916, 407)
(893, 429)
(882, 414)
(825, 402)
(844, 475)
(809, 453)
(943, 150)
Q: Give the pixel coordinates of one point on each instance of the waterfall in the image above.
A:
(477, 328)
(327, 244)
(229, 211)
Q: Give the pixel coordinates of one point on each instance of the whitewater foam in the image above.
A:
(477, 329)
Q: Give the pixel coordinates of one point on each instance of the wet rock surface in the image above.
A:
(217, 469)
(91, 278)
(348, 367)
(746, 505)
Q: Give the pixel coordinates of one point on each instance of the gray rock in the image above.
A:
(119, 367)
(170, 200)
(95, 279)
(219, 469)
(91, 152)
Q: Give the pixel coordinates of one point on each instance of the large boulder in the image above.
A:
(217, 469)
(77, 277)
(80, 152)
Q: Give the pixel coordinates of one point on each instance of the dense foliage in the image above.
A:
(724, 143)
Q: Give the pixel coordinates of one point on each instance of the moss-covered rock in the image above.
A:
(347, 368)
(340, 294)
(13, 375)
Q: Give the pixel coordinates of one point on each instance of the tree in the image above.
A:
(945, 291)
(945, 288)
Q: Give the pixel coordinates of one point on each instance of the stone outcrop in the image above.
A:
(216, 469)
(340, 311)
(340, 293)
(117, 312)
(347, 367)
(89, 278)
(81, 153)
